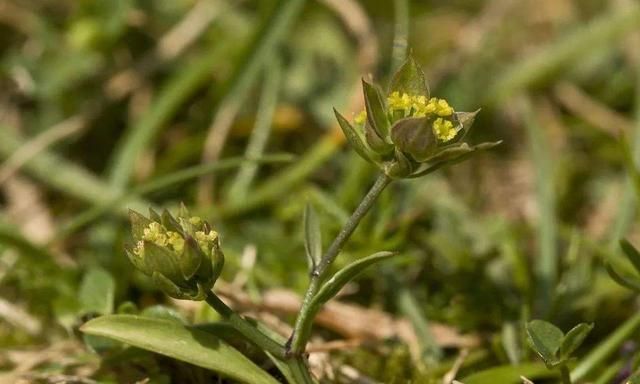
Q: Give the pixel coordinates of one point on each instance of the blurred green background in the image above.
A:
(104, 104)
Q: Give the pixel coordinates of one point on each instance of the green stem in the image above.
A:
(246, 329)
(301, 331)
(566, 375)
(299, 371)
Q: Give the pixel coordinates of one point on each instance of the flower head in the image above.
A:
(182, 255)
(407, 131)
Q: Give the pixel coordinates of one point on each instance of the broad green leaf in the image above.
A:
(164, 313)
(354, 139)
(332, 286)
(545, 339)
(631, 252)
(97, 292)
(409, 79)
(180, 342)
(631, 282)
(573, 339)
(376, 109)
(312, 237)
(510, 374)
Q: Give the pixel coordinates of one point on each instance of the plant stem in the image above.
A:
(298, 340)
(566, 375)
(299, 371)
(246, 329)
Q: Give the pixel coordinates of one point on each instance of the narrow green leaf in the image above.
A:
(354, 139)
(545, 339)
(312, 237)
(332, 286)
(451, 161)
(573, 339)
(375, 141)
(409, 79)
(180, 342)
(376, 109)
(631, 252)
(97, 291)
(510, 374)
(630, 282)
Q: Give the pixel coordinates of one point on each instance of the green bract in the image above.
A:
(182, 255)
(408, 132)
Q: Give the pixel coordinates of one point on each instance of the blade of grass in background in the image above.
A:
(171, 97)
(601, 33)
(266, 38)
(260, 134)
(546, 263)
(58, 173)
(610, 345)
(161, 182)
(628, 206)
(281, 183)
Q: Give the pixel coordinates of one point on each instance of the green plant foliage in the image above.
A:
(551, 344)
(172, 339)
(227, 106)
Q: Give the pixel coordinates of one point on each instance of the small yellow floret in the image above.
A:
(195, 220)
(155, 233)
(443, 108)
(202, 237)
(176, 241)
(443, 129)
(360, 118)
(401, 102)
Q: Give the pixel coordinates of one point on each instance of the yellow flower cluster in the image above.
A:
(159, 235)
(443, 129)
(420, 105)
(204, 238)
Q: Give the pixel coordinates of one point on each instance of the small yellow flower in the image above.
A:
(400, 102)
(419, 106)
(443, 108)
(155, 233)
(360, 118)
(204, 239)
(176, 241)
(443, 129)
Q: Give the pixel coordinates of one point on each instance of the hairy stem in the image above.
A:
(301, 331)
(245, 328)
